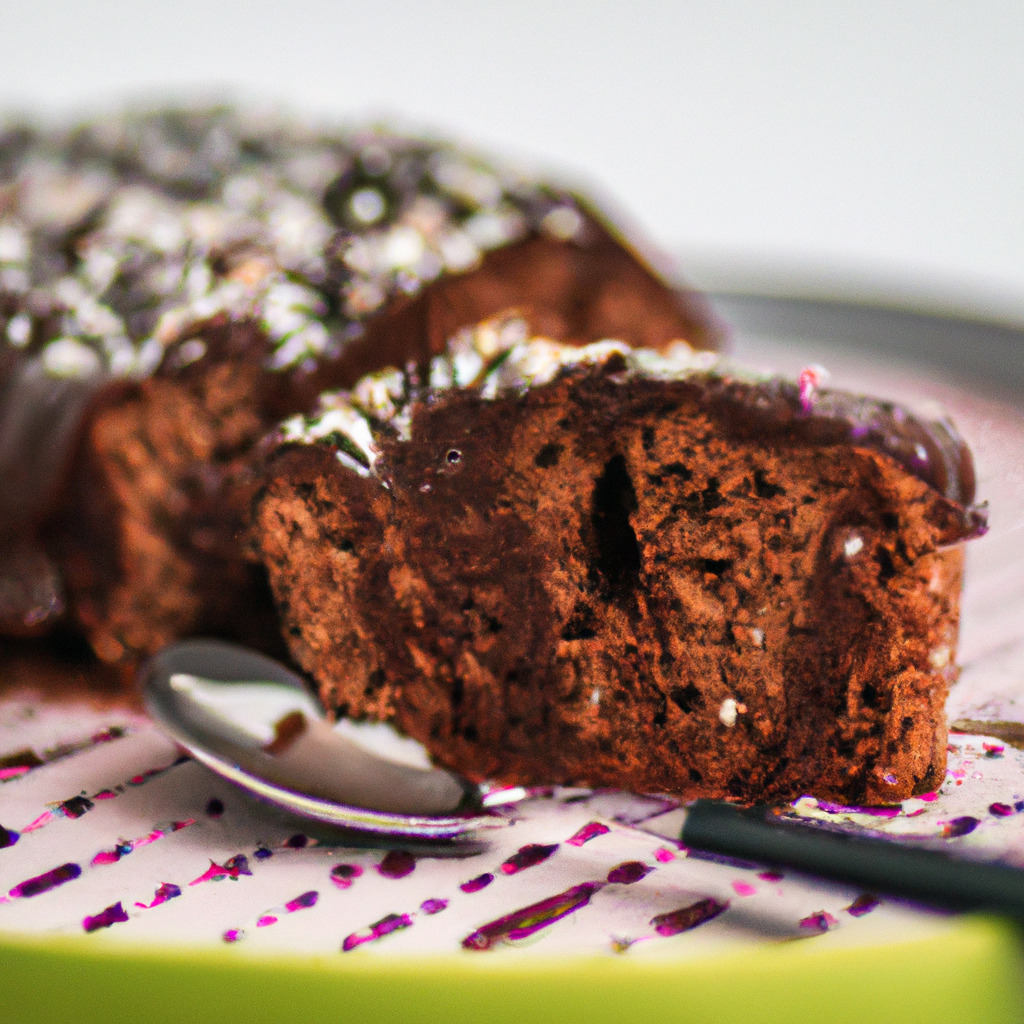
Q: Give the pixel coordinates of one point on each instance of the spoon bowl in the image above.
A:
(254, 722)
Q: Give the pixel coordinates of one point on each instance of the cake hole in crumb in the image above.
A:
(686, 698)
(548, 456)
(661, 714)
(886, 566)
(715, 566)
(764, 488)
(618, 552)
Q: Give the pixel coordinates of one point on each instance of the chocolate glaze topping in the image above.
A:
(498, 359)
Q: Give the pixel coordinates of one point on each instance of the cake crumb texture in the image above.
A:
(619, 584)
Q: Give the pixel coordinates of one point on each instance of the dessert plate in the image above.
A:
(135, 884)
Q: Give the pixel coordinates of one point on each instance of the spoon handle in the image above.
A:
(880, 865)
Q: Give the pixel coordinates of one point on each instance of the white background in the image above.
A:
(874, 146)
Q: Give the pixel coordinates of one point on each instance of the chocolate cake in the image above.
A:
(609, 567)
(172, 284)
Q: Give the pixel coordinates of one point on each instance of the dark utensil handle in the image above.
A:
(879, 865)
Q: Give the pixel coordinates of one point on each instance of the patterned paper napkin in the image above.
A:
(109, 830)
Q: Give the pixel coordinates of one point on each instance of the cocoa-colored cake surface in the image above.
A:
(607, 568)
(174, 283)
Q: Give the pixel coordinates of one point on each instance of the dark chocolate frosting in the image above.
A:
(499, 359)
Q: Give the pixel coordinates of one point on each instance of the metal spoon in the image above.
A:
(253, 721)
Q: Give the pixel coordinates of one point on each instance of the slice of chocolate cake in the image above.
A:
(173, 284)
(607, 567)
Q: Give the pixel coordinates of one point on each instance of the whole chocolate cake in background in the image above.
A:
(609, 567)
(173, 284)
